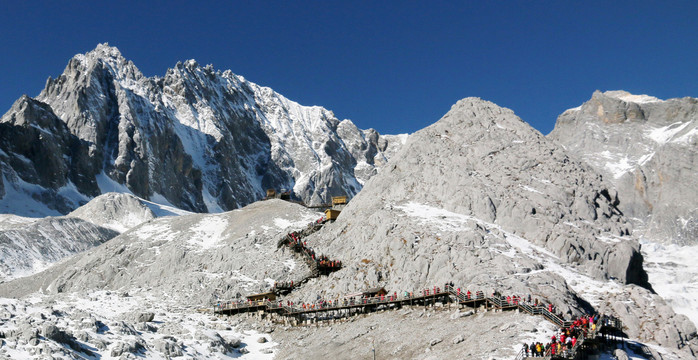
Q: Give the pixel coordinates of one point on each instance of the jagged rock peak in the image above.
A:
(111, 57)
(204, 140)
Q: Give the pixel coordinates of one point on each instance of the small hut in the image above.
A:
(331, 214)
(262, 296)
(374, 292)
(271, 193)
(339, 200)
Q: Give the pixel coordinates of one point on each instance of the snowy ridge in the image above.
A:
(197, 138)
(33, 247)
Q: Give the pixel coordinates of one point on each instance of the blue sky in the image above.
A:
(393, 66)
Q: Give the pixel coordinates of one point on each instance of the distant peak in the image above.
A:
(102, 51)
(191, 64)
(106, 50)
(630, 98)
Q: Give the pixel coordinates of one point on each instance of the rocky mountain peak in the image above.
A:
(646, 149)
(198, 138)
(467, 199)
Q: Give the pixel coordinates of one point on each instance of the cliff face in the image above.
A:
(200, 139)
(647, 148)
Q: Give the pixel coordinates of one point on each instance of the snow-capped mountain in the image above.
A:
(479, 198)
(647, 148)
(196, 138)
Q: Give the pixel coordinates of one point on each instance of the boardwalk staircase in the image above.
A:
(351, 305)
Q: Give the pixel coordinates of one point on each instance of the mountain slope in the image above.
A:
(483, 200)
(479, 198)
(197, 138)
(479, 165)
(30, 245)
(121, 212)
(195, 258)
(35, 246)
(647, 148)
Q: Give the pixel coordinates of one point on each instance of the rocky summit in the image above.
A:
(198, 138)
(646, 148)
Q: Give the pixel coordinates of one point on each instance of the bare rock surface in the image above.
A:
(645, 147)
(392, 334)
(485, 201)
(467, 198)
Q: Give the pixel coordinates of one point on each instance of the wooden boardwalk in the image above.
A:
(341, 308)
(352, 305)
(446, 296)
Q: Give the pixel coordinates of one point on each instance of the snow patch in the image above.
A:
(673, 273)
(628, 97)
(210, 231)
(528, 188)
(18, 200)
(620, 167)
(664, 134)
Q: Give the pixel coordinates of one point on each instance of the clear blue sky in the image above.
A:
(393, 66)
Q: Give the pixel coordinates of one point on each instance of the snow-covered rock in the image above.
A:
(37, 245)
(198, 258)
(120, 212)
(197, 138)
(30, 245)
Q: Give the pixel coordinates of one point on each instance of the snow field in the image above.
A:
(115, 311)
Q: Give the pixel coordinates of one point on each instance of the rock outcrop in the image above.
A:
(466, 191)
(646, 148)
(485, 201)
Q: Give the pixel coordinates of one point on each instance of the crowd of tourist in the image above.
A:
(323, 262)
(566, 339)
